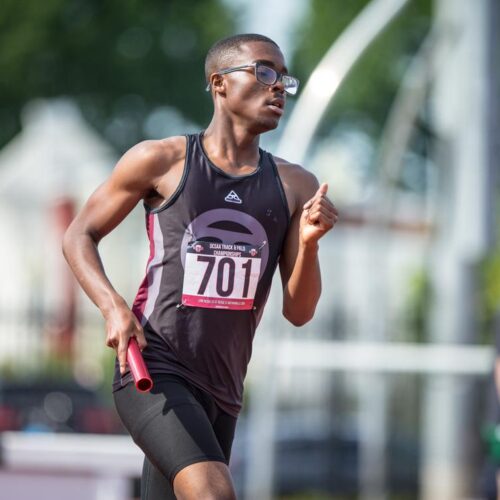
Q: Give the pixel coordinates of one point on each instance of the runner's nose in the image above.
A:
(279, 85)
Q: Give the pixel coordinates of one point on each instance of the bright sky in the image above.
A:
(276, 19)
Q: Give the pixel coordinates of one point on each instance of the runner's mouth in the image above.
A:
(277, 106)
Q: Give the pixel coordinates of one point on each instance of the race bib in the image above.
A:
(221, 275)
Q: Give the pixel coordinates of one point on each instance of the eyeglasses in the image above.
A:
(266, 75)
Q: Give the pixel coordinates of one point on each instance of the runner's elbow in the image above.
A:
(66, 244)
(75, 238)
(297, 319)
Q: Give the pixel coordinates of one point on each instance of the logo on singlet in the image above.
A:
(232, 197)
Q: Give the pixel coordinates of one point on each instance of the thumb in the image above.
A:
(320, 192)
(323, 189)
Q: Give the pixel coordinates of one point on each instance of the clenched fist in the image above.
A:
(121, 325)
(319, 215)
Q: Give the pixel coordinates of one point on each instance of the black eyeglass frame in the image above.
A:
(279, 76)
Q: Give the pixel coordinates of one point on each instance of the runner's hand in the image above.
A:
(121, 325)
(319, 215)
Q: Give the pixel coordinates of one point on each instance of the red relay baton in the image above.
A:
(142, 378)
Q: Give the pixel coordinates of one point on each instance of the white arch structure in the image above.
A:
(331, 72)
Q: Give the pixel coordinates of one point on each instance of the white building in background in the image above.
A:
(56, 157)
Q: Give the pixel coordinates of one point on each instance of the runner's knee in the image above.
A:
(204, 481)
(209, 495)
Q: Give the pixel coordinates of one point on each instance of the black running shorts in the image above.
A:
(175, 425)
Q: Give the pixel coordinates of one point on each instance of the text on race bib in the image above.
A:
(221, 275)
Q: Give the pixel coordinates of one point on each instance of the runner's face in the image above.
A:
(260, 106)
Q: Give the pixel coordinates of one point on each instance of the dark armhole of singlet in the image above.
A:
(180, 187)
(280, 187)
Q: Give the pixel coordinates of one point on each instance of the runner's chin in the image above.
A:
(267, 121)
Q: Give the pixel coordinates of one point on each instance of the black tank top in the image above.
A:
(214, 247)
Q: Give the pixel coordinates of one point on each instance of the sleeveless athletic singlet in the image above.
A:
(214, 247)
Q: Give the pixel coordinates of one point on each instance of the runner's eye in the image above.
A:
(266, 75)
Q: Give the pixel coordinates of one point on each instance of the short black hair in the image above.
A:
(221, 53)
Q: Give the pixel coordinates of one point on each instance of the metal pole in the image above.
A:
(373, 390)
(463, 236)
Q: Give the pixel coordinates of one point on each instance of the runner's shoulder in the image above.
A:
(155, 156)
(294, 175)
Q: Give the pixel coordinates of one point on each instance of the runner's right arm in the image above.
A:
(135, 177)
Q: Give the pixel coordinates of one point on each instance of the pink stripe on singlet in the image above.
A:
(150, 286)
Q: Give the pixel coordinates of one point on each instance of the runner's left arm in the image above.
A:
(313, 216)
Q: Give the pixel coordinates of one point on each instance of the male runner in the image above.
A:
(220, 215)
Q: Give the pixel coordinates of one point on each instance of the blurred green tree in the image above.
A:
(120, 59)
(368, 91)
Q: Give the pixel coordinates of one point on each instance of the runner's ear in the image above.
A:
(218, 83)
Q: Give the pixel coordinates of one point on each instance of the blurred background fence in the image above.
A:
(388, 393)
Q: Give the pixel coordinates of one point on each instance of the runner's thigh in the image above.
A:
(169, 425)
